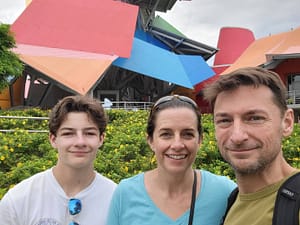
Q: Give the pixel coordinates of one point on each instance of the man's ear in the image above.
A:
(288, 122)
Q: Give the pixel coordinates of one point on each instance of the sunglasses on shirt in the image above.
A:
(74, 208)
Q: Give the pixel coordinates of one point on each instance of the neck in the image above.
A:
(249, 183)
(73, 181)
(172, 183)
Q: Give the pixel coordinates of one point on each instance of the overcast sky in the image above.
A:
(201, 20)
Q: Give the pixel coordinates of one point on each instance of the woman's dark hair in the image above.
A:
(172, 101)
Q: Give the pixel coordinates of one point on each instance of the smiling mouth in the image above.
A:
(242, 149)
(79, 152)
(176, 157)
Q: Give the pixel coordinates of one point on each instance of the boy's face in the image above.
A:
(77, 141)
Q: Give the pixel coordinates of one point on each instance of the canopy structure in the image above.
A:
(178, 42)
(268, 51)
(76, 48)
(159, 5)
(76, 25)
(148, 59)
(66, 67)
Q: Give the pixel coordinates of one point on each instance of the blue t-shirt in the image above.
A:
(131, 204)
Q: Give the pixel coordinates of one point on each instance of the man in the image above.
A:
(251, 118)
(71, 192)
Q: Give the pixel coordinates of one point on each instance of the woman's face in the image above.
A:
(175, 140)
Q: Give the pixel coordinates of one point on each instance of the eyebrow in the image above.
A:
(71, 128)
(250, 112)
(221, 115)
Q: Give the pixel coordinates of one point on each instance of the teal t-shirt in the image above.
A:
(131, 204)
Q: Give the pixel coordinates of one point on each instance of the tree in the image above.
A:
(10, 65)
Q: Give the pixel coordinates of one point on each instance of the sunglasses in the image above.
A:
(172, 97)
(74, 208)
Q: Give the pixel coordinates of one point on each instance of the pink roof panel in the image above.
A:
(104, 26)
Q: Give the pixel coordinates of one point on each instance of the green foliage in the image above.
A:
(125, 151)
(10, 65)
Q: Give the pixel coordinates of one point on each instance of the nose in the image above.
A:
(238, 133)
(177, 143)
(80, 139)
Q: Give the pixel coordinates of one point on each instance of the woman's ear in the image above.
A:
(150, 142)
(288, 122)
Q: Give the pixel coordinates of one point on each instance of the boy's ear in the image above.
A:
(52, 140)
(101, 139)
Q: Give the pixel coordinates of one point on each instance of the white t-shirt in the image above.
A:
(40, 200)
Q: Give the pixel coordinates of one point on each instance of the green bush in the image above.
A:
(125, 151)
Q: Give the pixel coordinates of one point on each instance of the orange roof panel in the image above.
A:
(76, 73)
(259, 51)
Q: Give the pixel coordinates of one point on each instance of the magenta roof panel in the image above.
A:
(105, 26)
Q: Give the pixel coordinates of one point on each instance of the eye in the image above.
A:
(67, 134)
(165, 135)
(90, 133)
(223, 122)
(256, 119)
(188, 135)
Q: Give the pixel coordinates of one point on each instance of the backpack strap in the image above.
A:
(287, 204)
(231, 199)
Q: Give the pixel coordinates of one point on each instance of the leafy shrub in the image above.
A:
(124, 153)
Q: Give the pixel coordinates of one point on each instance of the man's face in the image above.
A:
(250, 127)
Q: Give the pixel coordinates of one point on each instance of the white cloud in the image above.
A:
(201, 20)
(10, 10)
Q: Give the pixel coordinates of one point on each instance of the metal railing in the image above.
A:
(27, 118)
(293, 97)
(127, 105)
(113, 105)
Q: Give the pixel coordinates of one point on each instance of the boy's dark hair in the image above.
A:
(92, 107)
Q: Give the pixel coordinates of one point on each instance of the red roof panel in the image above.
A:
(104, 26)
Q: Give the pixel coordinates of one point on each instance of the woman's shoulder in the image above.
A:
(131, 184)
(216, 179)
(134, 180)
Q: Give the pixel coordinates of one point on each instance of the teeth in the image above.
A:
(177, 157)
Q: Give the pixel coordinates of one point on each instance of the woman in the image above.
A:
(164, 195)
